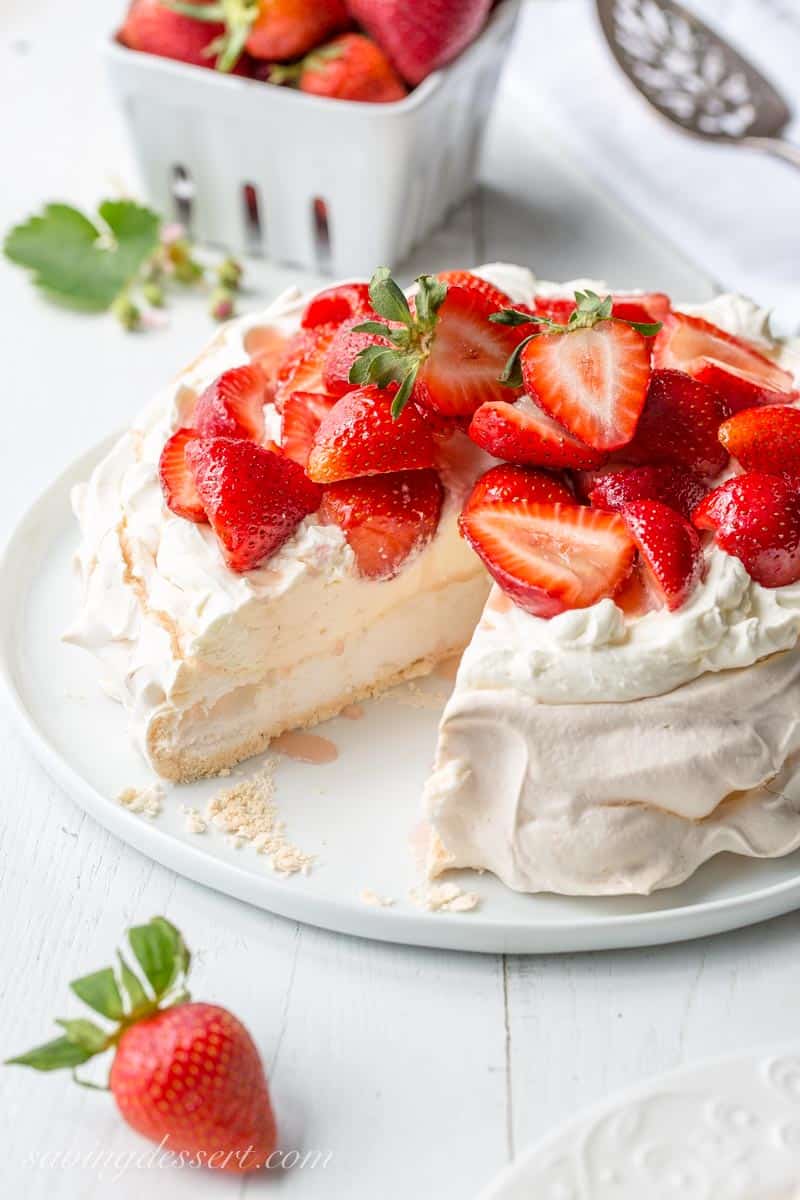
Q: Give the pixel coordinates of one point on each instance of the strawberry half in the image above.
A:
(731, 364)
(679, 425)
(764, 439)
(550, 557)
(508, 482)
(253, 497)
(233, 405)
(302, 415)
(446, 354)
(756, 517)
(386, 518)
(522, 433)
(669, 546)
(336, 304)
(593, 380)
(359, 436)
(303, 362)
(474, 283)
(613, 490)
(177, 481)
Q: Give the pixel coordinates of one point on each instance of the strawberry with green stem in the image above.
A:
(444, 354)
(184, 1074)
(590, 374)
(276, 30)
(351, 67)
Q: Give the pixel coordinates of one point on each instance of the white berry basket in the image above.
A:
(323, 184)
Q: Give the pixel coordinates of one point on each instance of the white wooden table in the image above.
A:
(420, 1072)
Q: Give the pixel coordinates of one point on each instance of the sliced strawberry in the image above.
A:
(679, 425)
(359, 437)
(254, 498)
(673, 485)
(592, 380)
(742, 389)
(756, 517)
(687, 343)
(507, 482)
(764, 439)
(344, 348)
(386, 518)
(177, 482)
(638, 594)
(303, 363)
(669, 546)
(522, 433)
(646, 307)
(302, 416)
(233, 405)
(465, 356)
(475, 283)
(337, 304)
(550, 557)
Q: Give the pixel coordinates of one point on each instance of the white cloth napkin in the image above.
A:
(733, 211)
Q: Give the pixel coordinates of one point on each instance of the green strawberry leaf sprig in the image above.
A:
(124, 260)
(121, 996)
(589, 309)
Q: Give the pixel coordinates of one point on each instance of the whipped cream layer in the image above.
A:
(203, 657)
(606, 799)
(599, 653)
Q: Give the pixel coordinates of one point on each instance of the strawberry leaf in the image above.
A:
(646, 328)
(374, 327)
(388, 299)
(86, 1034)
(160, 952)
(53, 1056)
(100, 991)
(81, 264)
(404, 392)
(430, 298)
(512, 316)
(512, 372)
(137, 997)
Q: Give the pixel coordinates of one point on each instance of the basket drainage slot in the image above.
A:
(253, 218)
(320, 224)
(182, 194)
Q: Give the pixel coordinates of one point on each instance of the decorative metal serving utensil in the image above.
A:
(694, 78)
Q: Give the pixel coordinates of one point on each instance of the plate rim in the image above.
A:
(450, 931)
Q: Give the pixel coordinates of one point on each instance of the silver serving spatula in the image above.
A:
(694, 78)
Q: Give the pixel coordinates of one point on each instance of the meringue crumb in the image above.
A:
(367, 896)
(193, 822)
(411, 695)
(146, 801)
(444, 897)
(248, 814)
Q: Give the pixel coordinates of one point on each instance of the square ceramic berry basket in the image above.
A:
(323, 184)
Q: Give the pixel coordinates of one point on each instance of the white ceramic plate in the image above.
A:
(356, 814)
(723, 1130)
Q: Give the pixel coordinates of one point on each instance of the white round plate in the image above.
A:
(723, 1130)
(355, 814)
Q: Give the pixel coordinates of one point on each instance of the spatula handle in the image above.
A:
(774, 146)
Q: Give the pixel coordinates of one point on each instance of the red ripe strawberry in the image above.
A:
(336, 304)
(254, 498)
(592, 380)
(302, 365)
(302, 416)
(742, 389)
(352, 67)
(345, 346)
(645, 307)
(233, 405)
(508, 483)
(359, 436)
(177, 482)
(522, 433)
(152, 27)
(764, 439)
(276, 30)
(756, 517)
(184, 1074)
(423, 36)
(386, 518)
(669, 546)
(679, 425)
(475, 283)
(613, 490)
(550, 557)
(690, 344)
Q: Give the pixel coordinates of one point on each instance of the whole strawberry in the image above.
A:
(185, 1075)
(422, 36)
(351, 67)
(155, 29)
